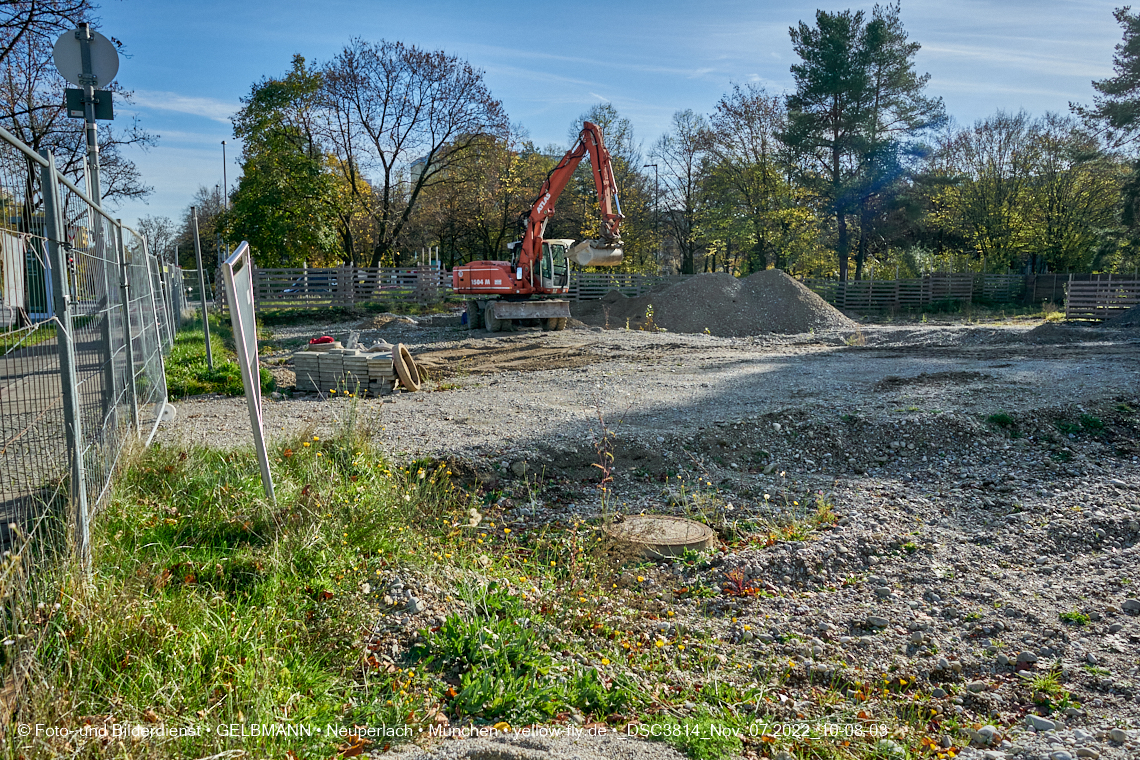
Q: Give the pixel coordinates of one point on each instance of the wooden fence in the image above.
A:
(345, 286)
(590, 286)
(921, 291)
(1102, 298)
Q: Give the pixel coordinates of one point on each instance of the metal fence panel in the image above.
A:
(83, 327)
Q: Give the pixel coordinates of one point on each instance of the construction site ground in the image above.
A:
(985, 481)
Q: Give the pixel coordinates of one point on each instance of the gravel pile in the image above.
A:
(720, 304)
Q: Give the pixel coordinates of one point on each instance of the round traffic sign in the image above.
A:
(68, 55)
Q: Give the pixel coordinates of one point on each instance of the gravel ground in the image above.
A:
(987, 480)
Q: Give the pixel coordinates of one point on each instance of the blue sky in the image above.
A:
(190, 62)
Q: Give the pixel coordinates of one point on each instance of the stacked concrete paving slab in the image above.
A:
(344, 370)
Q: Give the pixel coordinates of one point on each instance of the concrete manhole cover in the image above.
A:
(658, 536)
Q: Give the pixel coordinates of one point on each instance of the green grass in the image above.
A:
(209, 606)
(1074, 618)
(189, 374)
(1001, 419)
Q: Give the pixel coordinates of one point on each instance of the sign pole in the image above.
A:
(89, 80)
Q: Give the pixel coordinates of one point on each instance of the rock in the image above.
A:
(943, 664)
(888, 748)
(1118, 735)
(1115, 628)
(1039, 723)
(519, 468)
(976, 686)
(1026, 658)
(882, 592)
(938, 693)
(877, 622)
(1061, 754)
(916, 638)
(1003, 660)
(985, 735)
(1131, 605)
(415, 606)
(1088, 752)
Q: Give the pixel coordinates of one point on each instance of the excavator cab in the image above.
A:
(554, 270)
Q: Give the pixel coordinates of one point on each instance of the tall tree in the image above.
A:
(23, 20)
(827, 113)
(1116, 114)
(285, 204)
(898, 112)
(994, 163)
(404, 117)
(31, 105)
(749, 181)
(160, 234)
(1116, 106)
(1074, 198)
(680, 154)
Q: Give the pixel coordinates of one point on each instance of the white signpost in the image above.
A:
(238, 273)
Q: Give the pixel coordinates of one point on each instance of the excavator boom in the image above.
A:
(540, 267)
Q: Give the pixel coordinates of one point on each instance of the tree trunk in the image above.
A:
(861, 251)
(843, 245)
(346, 242)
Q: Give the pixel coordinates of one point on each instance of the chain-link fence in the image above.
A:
(86, 313)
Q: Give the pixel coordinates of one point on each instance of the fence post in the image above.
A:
(202, 287)
(110, 379)
(124, 285)
(1067, 289)
(153, 302)
(69, 382)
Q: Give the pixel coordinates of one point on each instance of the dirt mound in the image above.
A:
(720, 304)
(1130, 318)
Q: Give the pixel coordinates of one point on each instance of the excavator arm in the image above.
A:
(606, 250)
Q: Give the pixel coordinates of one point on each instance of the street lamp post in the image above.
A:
(656, 212)
(225, 182)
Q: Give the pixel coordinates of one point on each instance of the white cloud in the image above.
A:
(210, 108)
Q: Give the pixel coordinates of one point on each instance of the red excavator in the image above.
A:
(521, 289)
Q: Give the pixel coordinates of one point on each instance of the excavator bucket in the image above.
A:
(595, 253)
